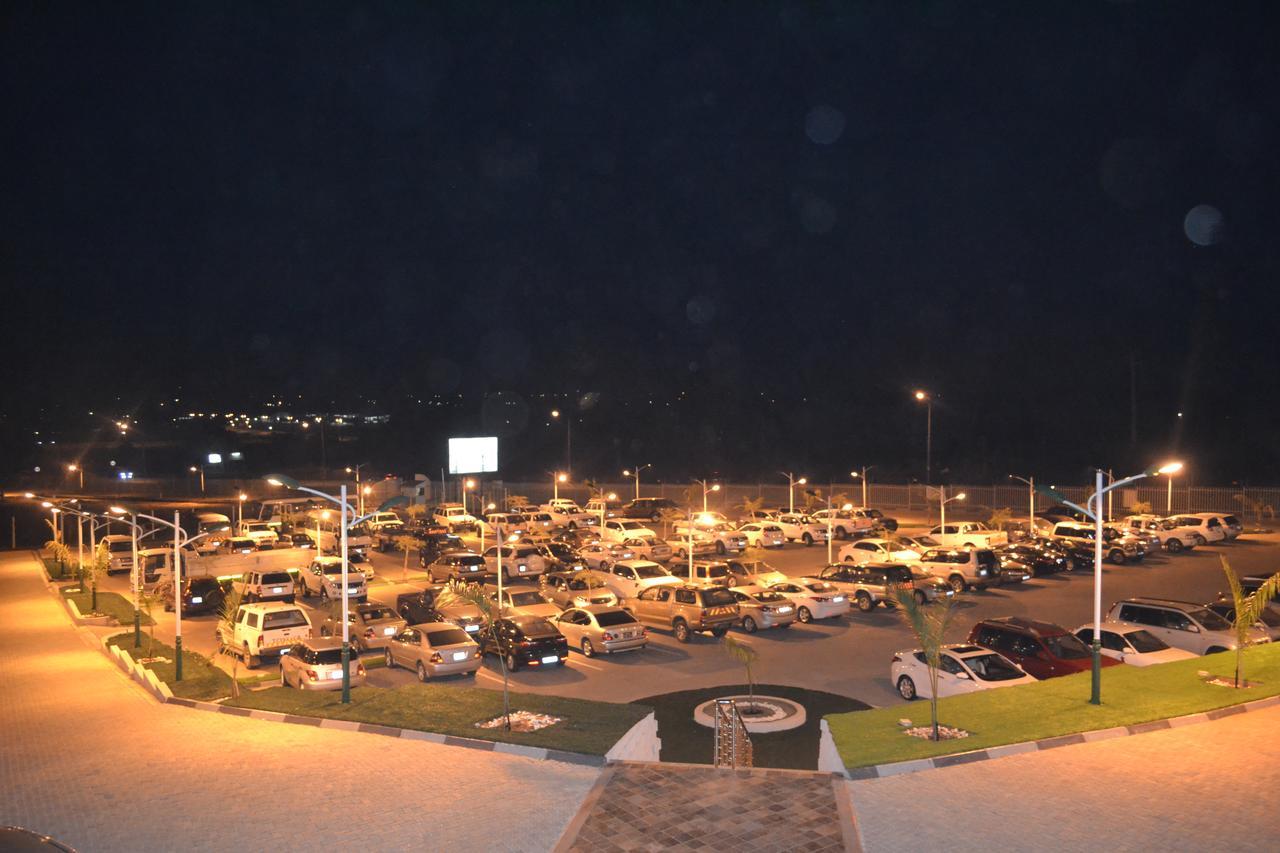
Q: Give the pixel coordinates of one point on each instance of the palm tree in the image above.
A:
(1248, 609)
(929, 623)
(96, 568)
(516, 500)
(475, 594)
(146, 601)
(1140, 507)
(227, 629)
(751, 505)
(405, 544)
(999, 517)
(60, 554)
(747, 656)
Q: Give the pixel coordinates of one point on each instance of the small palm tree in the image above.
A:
(60, 554)
(516, 500)
(747, 656)
(405, 544)
(146, 601)
(999, 518)
(1248, 609)
(488, 608)
(227, 630)
(813, 499)
(1257, 507)
(96, 568)
(929, 623)
(750, 505)
(1140, 507)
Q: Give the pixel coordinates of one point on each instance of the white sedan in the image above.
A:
(876, 551)
(964, 669)
(1131, 644)
(798, 527)
(763, 534)
(814, 598)
(602, 555)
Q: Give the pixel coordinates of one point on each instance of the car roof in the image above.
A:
(1165, 602)
(1031, 626)
(1116, 626)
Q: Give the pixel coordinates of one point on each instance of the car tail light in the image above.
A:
(368, 633)
(436, 658)
(896, 659)
(313, 675)
(608, 636)
(821, 598)
(359, 669)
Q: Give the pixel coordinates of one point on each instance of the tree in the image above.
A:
(669, 517)
(1140, 507)
(929, 623)
(1257, 507)
(1247, 609)
(747, 656)
(96, 568)
(60, 554)
(475, 594)
(227, 632)
(750, 505)
(405, 544)
(516, 500)
(414, 511)
(999, 517)
(146, 601)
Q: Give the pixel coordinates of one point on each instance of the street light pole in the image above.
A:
(346, 627)
(943, 500)
(863, 477)
(177, 599)
(792, 482)
(1168, 503)
(1031, 501)
(568, 438)
(635, 472)
(714, 488)
(928, 440)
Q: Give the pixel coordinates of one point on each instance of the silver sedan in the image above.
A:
(434, 648)
(599, 628)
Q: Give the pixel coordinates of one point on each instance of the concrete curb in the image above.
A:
(878, 771)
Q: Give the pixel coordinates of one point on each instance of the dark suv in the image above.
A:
(418, 607)
(1043, 649)
(525, 641)
(650, 508)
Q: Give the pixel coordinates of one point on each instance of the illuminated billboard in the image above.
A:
(473, 455)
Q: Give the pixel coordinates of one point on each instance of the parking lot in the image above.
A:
(848, 656)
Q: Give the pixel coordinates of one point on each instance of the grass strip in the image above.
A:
(110, 603)
(201, 680)
(1057, 706)
(587, 727)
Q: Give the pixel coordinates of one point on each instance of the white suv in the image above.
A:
(1204, 529)
(1181, 624)
(454, 517)
(1172, 538)
(324, 578)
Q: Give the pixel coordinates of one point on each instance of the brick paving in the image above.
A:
(645, 807)
(1202, 787)
(91, 759)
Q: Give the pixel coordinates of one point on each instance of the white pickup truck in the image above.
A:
(968, 534)
(157, 564)
(567, 513)
(264, 630)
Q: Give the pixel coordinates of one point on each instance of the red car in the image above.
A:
(1043, 649)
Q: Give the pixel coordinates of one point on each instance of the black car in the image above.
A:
(418, 607)
(435, 544)
(298, 540)
(525, 641)
(199, 595)
(559, 556)
(650, 508)
(1079, 557)
(1038, 561)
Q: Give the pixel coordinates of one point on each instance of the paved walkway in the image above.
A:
(1203, 787)
(89, 758)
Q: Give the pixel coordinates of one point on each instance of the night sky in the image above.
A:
(1032, 209)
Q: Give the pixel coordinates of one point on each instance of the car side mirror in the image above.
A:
(1195, 629)
(961, 675)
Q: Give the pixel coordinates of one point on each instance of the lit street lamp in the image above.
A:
(635, 472)
(200, 468)
(76, 469)
(943, 500)
(240, 511)
(603, 503)
(556, 480)
(713, 488)
(1095, 500)
(792, 482)
(568, 438)
(928, 436)
(855, 475)
(347, 522)
(1168, 502)
(469, 485)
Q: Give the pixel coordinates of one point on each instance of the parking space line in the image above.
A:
(576, 663)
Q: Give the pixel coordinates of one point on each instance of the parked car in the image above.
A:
(432, 545)
(316, 664)
(968, 534)
(746, 572)
(1114, 549)
(370, 626)
(518, 561)
(968, 568)
(648, 508)
(566, 513)
(459, 611)
(598, 507)
(265, 586)
(577, 589)
(540, 522)
(263, 629)
(628, 578)
(434, 649)
(875, 551)
(1173, 538)
(701, 542)
(1131, 644)
(1037, 560)
(879, 521)
(503, 525)
(622, 529)
(759, 607)
(601, 628)
(876, 583)
(683, 609)
(324, 578)
(1181, 624)
(704, 572)
(813, 598)
(798, 527)
(1042, 649)
(602, 555)
(558, 556)
(1203, 529)
(264, 533)
(467, 566)
(1268, 620)
(964, 668)
(522, 601)
(418, 607)
(763, 534)
(525, 641)
(119, 553)
(648, 548)
(454, 517)
(844, 523)
(199, 596)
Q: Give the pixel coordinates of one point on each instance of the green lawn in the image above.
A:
(685, 740)
(589, 727)
(1058, 706)
(56, 571)
(110, 603)
(200, 678)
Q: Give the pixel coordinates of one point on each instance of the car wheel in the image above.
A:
(284, 682)
(588, 650)
(422, 672)
(919, 597)
(681, 631)
(390, 661)
(864, 602)
(848, 559)
(808, 540)
(249, 661)
(842, 534)
(1116, 557)
(1213, 650)
(719, 632)
(907, 688)
(1174, 545)
(512, 663)
(957, 583)
(804, 615)
(324, 595)
(968, 544)
(720, 549)
(748, 624)
(1200, 540)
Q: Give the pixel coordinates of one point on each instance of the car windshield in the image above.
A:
(770, 596)
(717, 596)
(470, 560)
(992, 667)
(276, 577)
(1209, 620)
(283, 619)
(378, 613)
(822, 586)
(524, 599)
(1067, 647)
(716, 571)
(328, 656)
(335, 569)
(1144, 642)
(650, 572)
(614, 617)
(448, 637)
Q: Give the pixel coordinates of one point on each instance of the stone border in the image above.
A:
(878, 771)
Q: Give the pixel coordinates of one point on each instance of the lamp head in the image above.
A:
(1170, 468)
(626, 473)
(28, 495)
(716, 487)
(802, 481)
(562, 478)
(282, 480)
(960, 496)
(45, 504)
(192, 469)
(119, 510)
(612, 496)
(243, 496)
(73, 467)
(920, 395)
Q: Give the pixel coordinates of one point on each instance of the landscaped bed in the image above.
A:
(589, 727)
(1058, 706)
(201, 680)
(110, 603)
(687, 741)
